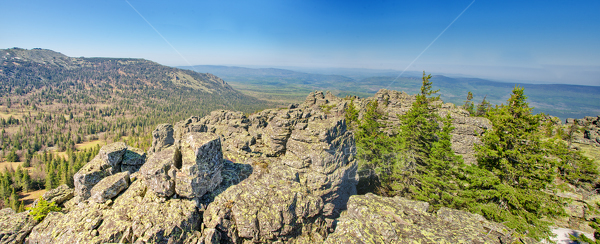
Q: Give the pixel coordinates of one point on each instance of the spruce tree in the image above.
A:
(469, 105)
(513, 149)
(516, 170)
(414, 140)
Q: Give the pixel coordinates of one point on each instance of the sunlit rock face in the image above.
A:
(375, 219)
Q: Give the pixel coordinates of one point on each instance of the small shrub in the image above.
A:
(42, 209)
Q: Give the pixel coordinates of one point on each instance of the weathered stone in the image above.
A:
(375, 219)
(110, 187)
(263, 207)
(200, 168)
(58, 195)
(276, 135)
(285, 197)
(113, 155)
(159, 171)
(162, 137)
(89, 175)
(211, 236)
(137, 215)
(107, 162)
(133, 159)
(15, 227)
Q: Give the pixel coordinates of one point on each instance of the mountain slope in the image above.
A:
(51, 100)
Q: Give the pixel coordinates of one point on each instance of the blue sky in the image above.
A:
(538, 41)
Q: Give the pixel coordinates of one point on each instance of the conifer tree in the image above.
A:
(516, 170)
(414, 140)
(469, 105)
(513, 149)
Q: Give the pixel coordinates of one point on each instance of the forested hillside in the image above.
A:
(51, 102)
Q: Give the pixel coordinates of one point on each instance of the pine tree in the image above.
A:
(14, 200)
(26, 182)
(368, 135)
(483, 107)
(469, 105)
(516, 170)
(512, 149)
(351, 114)
(439, 180)
(414, 140)
(50, 178)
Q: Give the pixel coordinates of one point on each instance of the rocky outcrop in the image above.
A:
(590, 127)
(110, 187)
(162, 137)
(136, 215)
(159, 171)
(162, 203)
(201, 164)
(375, 219)
(304, 173)
(107, 162)
(15, 227)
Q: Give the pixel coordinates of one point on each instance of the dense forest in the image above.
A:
(520, 162)
(49, 103)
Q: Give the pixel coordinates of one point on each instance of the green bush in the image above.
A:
(42, 209)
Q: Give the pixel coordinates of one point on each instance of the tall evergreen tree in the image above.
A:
(516, 168)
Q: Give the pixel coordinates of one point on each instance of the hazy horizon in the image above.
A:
(533, 41)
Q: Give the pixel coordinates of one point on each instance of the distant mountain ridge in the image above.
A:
(25, 72)
(561, 100)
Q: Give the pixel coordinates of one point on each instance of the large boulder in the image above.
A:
(110, 187)
(89, 175)
(133, 159)
(276, 134)
(107, 162)
(201, 163)
(375, 219)
(265, 207)
(159, 171)
(162, 137)
(15, 227)
(113, 155)
(322, 151)
(58, 195)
